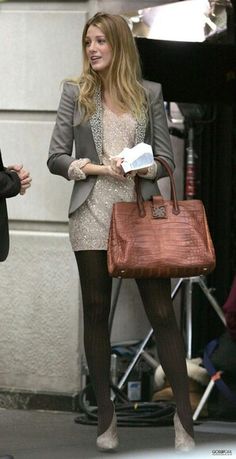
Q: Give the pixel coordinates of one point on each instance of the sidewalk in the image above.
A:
(53, 435)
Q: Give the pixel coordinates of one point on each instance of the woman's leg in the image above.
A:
(96, 292)
(156, 297)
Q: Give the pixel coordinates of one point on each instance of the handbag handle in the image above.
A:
(140, 200)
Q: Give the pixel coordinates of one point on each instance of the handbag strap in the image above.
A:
(173, 193)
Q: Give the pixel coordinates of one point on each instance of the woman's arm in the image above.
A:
(160, 137)
(61, 144)
(114, 170)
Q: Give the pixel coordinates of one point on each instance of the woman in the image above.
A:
(108, 108)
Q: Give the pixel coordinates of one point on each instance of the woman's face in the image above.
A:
(98, 50)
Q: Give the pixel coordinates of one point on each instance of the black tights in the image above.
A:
(96, 286)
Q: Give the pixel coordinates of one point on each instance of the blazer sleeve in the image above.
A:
(160, 136)
(9, 184)
(61, 144)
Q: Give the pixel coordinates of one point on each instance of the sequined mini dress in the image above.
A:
(89, 225)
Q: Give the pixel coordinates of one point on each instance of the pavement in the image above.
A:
(54, 435)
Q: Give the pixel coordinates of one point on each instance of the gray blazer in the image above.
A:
(87, 138)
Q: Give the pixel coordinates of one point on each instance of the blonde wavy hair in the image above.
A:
(124, 74)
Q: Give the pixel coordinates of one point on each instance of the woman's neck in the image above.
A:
(111, 103)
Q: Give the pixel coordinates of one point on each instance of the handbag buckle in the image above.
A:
(159, 212)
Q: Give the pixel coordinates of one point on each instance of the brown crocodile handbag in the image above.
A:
(159, 238)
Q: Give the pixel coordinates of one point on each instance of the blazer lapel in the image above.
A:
(96, 123)
(140, 129)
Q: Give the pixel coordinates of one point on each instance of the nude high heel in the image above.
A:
(183, 441)
(108, 441)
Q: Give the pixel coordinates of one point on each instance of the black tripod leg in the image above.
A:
(212, 300)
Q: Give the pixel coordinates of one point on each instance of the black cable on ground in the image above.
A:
(136, 414)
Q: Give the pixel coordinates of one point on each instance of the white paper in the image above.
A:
(138, 157)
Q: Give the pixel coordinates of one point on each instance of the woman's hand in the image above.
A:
(143, 171)
(116, 164)
(115, 169)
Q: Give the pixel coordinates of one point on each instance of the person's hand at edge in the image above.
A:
(23, 175)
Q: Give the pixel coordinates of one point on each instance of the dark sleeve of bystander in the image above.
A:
(9, 182)
(10, 186)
